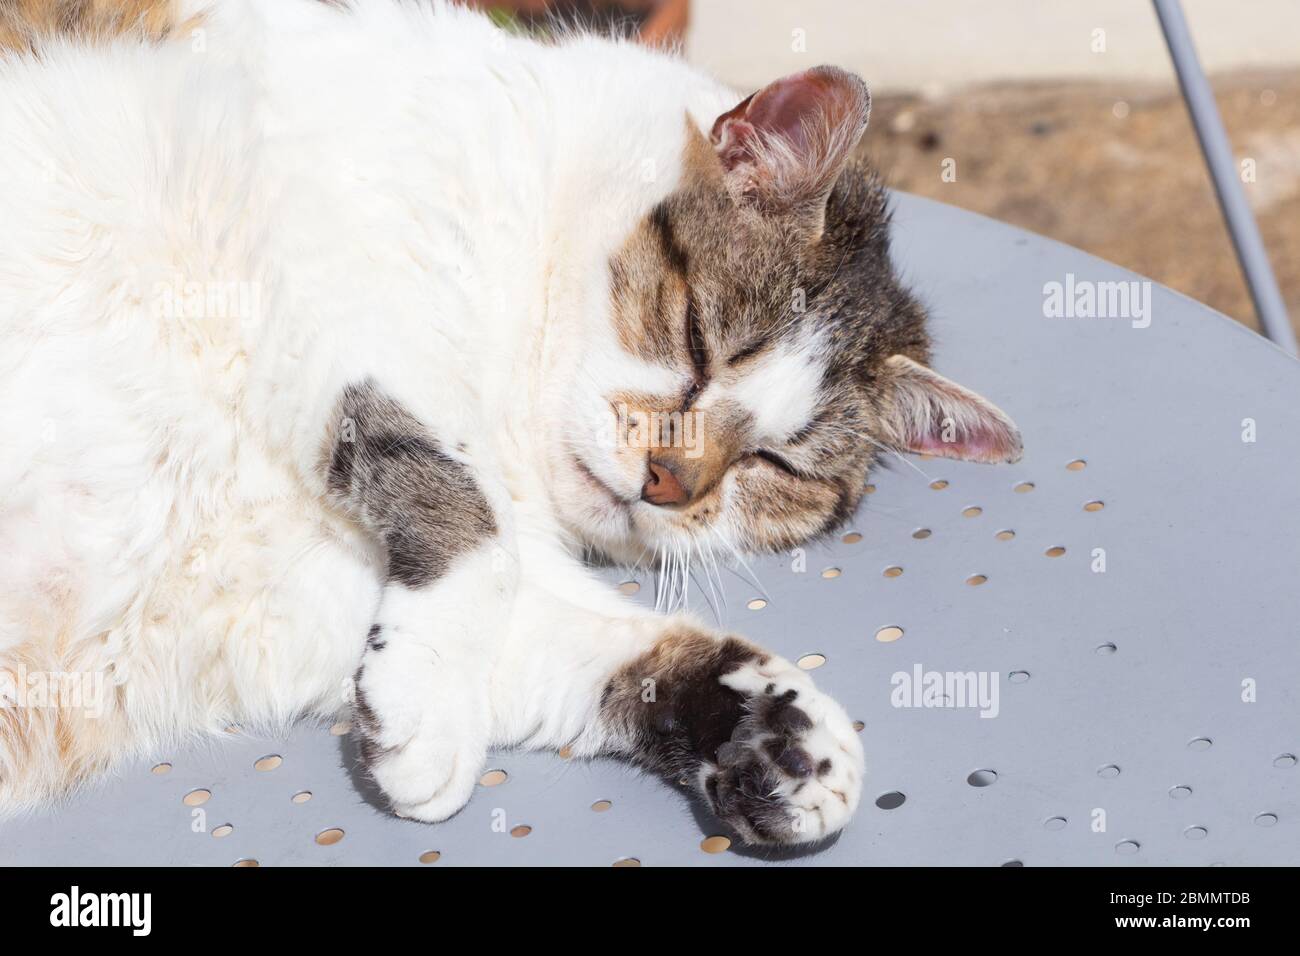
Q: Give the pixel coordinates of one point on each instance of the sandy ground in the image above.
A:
(1111, 169)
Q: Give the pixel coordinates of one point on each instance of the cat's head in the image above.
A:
(762, 351)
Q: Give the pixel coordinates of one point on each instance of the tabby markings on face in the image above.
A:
(761, 288)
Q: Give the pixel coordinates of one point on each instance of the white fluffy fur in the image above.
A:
(406, 192)
(781, 391)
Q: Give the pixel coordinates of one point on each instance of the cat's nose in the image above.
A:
(662, 487)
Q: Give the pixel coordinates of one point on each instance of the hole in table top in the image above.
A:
(891, 800)
(302, 796)
(1013, 863)
(1023, 488)
(939, 484)
(869, 489)
(629, 587)
(974, 511)
(160, 768)
(626, 861)
(1108, 772)
(520, 831)
(1055, 551)
(329, 837)
(1196, 833)
(1127, 847)
(1284, 760)
(247, 862)
(1094, 505)
(889, 634)
(493, 778)
(1077, 465)
(224, 830)
(1200, 743)
(430, 856)
(975, 580)
(982, 778)
(1006, 534)
(1055, 823)
(600, 806)
(853, 537)
(1106, 649)
(268, 763)
(1018, 677)
(1265, 819)
(1180, 792)
(196, 798)
(920, 534)
(757, 604)
(341, 728)
(715, 844)
(810, 662)
(859, 726)
(893, 571)
(829, 573)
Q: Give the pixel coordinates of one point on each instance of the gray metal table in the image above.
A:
(1147, 714)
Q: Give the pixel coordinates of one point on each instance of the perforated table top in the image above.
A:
(1129, 591)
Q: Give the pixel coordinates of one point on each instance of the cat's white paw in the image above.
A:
(423, 739)
(792, 770)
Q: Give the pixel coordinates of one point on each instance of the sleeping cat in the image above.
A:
(334, 335)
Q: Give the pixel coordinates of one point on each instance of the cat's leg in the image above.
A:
(420, 697)
(775, 758)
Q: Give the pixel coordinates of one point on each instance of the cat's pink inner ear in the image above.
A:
(788, 142)
(933, 415)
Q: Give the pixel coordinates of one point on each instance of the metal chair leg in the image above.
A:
(1264, 291)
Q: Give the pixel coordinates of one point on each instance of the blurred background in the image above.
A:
(1063, 118)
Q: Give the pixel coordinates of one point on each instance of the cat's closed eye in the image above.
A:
(749, 351)
(778, 462)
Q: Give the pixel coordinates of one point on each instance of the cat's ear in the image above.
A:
(933, 415)
(784, 146)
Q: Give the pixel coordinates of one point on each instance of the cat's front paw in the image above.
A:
(423, 739)
(791, 771)
(776, 758)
